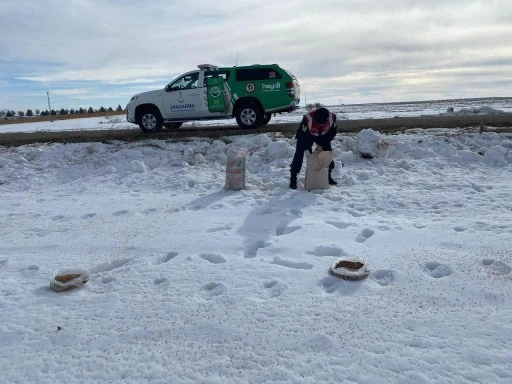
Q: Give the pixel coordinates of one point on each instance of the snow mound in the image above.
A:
(347, 157)
(484, 110)
(369, 143)
(279, 150)
(496, 156)
(467, 156)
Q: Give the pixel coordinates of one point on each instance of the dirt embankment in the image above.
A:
(397, 124)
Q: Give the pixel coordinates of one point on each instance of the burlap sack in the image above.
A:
(317, 170)
(235, 170)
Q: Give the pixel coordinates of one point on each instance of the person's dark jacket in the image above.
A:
(317, 127)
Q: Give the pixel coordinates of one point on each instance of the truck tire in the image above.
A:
(172, 126)
(150, 120)
(248, 115)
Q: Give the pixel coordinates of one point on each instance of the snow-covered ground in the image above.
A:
(192, 283)
(350, 112)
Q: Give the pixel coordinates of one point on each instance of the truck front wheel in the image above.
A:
(248, 115)
(150, 120)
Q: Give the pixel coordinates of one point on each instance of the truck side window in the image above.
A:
(194, 79)
(253, 74)
(222, 76)
(185, 82)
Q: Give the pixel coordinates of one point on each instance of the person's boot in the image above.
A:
(293, 180)
(331, 180)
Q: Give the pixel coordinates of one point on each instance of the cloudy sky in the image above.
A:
(99, 53)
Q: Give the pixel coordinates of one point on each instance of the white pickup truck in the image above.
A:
(249, 93)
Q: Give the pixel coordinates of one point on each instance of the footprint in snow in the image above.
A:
(436, 270)
(166, 258)
(30, 270)
(213, 258)
(107, 280)
(354, 213)
(365, 235)
(327, 250)
(296, 212)
(267, 211)
(496, 267)
(339, 224)
(214, 288)
(225, 227)
(149, 211)
(109, 265)
(197, 207)
(283, 229)
(58, 218)
(88, 216)
(273, 288)
(252, 248)
(319, 342)
(159, 280)
(291, 264)
(383, 277)
(3, 262)
(332, 284)
(121, 212)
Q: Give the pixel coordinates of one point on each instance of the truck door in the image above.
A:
(217, 98)
(215, 94)
(181, 98)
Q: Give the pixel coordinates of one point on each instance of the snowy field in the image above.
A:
(350, 112)
(192, 283)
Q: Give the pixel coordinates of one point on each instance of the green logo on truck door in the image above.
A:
(215, 94)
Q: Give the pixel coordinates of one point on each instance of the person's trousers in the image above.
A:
(305, 142)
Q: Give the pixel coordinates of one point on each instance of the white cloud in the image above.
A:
(123, 42)
(72, 92)
(106, 74)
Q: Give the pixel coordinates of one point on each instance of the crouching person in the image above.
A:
(319, 127)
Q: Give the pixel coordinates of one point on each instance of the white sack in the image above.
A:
(235, 170)
(317, 170)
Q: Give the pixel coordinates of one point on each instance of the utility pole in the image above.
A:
(49, 106)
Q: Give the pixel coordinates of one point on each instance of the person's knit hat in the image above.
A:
(321, 115)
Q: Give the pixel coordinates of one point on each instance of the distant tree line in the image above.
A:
(312, 106)
(37, 112)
